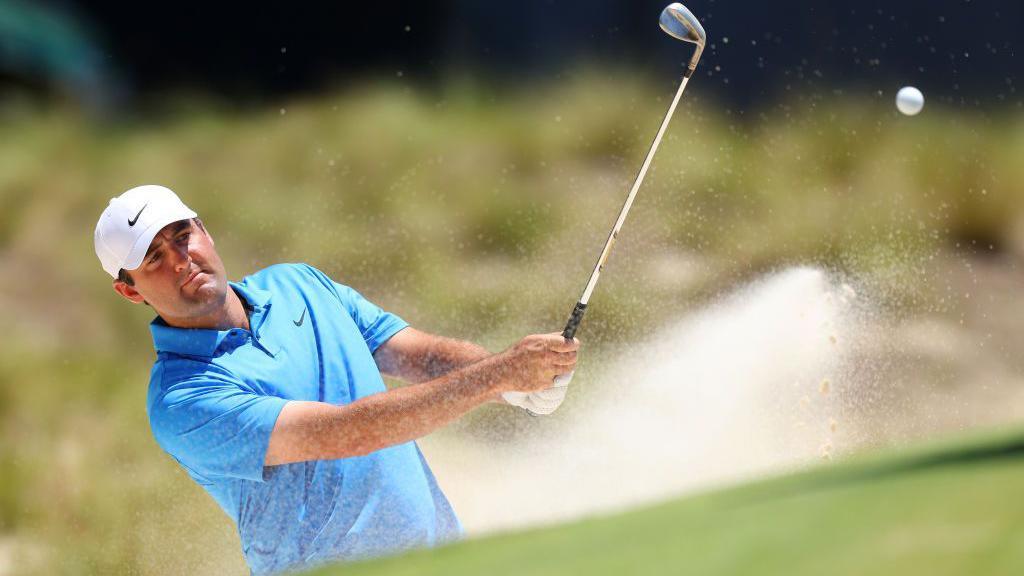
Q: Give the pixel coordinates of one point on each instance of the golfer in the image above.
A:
(268, 391)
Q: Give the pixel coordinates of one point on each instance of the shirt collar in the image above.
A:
(204, 342)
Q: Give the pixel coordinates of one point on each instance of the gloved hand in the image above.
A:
(541, 402)
(537, 371)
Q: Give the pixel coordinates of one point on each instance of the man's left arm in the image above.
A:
(415, 356)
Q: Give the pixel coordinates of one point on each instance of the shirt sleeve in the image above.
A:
(375, 325)
(215, 426)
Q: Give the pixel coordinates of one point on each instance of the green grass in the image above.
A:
(947, 509)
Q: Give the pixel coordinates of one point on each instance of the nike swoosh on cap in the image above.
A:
(131, 222)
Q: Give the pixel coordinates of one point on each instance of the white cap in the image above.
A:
(128, 225)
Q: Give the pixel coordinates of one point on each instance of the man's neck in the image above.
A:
(231, 315)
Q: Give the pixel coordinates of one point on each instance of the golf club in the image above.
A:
(677, 21)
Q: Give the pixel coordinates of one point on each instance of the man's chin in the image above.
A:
(208, 291)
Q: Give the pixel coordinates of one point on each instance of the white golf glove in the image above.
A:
(542, 402)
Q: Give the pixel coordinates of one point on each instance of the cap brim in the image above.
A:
(141, 246)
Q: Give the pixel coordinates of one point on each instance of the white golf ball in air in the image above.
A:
(909, 100)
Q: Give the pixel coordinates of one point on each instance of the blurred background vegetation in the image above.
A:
(471, 211)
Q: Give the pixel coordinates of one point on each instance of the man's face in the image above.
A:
(181, 277)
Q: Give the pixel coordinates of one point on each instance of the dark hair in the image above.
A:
(124, 276)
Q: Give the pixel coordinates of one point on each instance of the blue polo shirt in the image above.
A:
(214, 397)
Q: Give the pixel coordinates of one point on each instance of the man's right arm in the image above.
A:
(318, 431)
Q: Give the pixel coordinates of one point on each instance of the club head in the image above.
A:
(678, 22)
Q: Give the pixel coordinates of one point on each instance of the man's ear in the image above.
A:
(128, 292)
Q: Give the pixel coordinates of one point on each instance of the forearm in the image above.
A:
(317, 431)
(441, 356)
(412, 412)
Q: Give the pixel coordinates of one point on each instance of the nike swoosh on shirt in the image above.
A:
(301, 318)
(131, 222)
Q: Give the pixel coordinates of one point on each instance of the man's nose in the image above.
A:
(182, 259)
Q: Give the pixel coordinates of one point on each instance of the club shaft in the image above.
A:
(577, 313)
(632, 195)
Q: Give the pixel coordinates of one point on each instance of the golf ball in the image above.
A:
(909, 100)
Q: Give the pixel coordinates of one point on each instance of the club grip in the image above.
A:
(574, 321)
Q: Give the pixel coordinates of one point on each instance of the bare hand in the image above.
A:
(534, 362)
